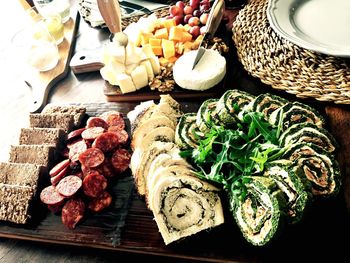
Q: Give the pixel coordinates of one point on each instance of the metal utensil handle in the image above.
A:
(215, 16)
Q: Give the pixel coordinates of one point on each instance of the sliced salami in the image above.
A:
(55, 208)
(116, 119)
(101, 202)
(57, 178)
(75, 134)
(106, 168)
(105, 114)
(121, 160)
(69, 185)
(96, 122)
(76, 149)
(59, 167)
(94, 184)
(73, 212)
(91, 157)
(123, 137)
(51, 196)
(106, 142)
(92, 133)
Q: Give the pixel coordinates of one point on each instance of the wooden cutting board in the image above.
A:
(42, 82)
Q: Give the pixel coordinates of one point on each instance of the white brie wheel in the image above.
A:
(209, 71)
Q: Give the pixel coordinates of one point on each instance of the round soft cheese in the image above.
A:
(208, 72)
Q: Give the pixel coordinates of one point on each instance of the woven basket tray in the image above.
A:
(285, 66)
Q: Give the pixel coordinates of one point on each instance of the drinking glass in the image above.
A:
(47, 7)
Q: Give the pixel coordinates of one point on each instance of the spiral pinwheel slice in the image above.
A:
(260, 214)
(293, 113)
(183, 205)
(317, 166)
(267, 103)
(294, 189)
(230, 104)
(308, 133)
(207, 115)
(187, 133)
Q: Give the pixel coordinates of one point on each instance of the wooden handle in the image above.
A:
(86, 61)
(110, 11)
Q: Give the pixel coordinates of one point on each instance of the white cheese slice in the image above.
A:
(147, 64)
(125, 83)
(139, 77)
(155, 64)
(133, 54)
(109, 75)
(130, 68)
(209, 71)
(113, 52)
(147, 50)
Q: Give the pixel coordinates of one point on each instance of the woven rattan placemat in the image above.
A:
(285, 66)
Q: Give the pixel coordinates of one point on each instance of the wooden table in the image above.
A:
(87, 88)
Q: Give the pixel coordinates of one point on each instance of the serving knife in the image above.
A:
(214, 19)
(110, 11)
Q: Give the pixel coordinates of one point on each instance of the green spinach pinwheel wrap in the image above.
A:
(187, 133)
(294, 189)
(260, 214)
(267, 103)
(207, 115)
(317, 166)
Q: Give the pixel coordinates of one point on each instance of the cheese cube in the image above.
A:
(175, 33)
(108, 75)
(148, 66)
(113, 52)
(147, 50)
(133, 54)
(139, 77)
(168, 23)
(168, 48)
(161, 33)
(163, 61)
(155, 64)
(125, 82)
(130, 68)
(145, 38)
(155, 42)
(186, 37)
(157, 50)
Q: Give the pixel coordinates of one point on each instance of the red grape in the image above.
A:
(195, 31)
(197, 13)
(204, 8)
(187, 18)
(203, 30)
(178, 19)
(180, 4)
(204, 18)
(175, 10)
(194, 4)
(188, 10)
(193, 21)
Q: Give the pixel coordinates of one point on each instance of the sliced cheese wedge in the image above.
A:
(139, 77)
(155, 64)
(125, 83)
(147, 64)
(108, 74)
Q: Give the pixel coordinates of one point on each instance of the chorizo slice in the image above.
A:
(94, 184)
(106, 168)
(91, 157)
(50, 196)
(69, 185)
(57, 178)
(59, 167)
(55, 208)
(92, 133)
(106, 142)
(75, 134)
(121, 160)
(73, 212)
(99, 203)
(96, 122)
(76, 149)
(116, 119)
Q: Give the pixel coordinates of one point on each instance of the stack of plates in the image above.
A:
(319, 25)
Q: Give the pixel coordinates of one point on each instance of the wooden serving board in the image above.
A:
(42, 82)
(129, 226)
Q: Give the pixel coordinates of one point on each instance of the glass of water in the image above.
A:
(49, 7)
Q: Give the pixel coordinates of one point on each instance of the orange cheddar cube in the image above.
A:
(188, 46)
(186, 37)
(157, 50)
(168, 23)
(168, 48)
(155, 42)
(145, 38)
(161, 33)
(175, 33)
(163, 61)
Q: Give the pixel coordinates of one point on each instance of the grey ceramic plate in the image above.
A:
(318, 25)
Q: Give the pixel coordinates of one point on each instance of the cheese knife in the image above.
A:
(214, 19)
(110, 11)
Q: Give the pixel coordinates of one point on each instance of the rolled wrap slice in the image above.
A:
(230, 104)
(316, 166)
(183, 205)
(296, 112)
(267, 103)
(260, 214)
(187, 133)
(294, 189)
(308, 133)
(207, 115)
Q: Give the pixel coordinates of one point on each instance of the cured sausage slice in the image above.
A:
(101, 202)
(74, 134)
(55, 208)
(96, 122)
(69, 185)
(92, 157)
(73, 212)
(92, 133)
(94, 184)
(121, 160)
(76, 149)
(59, 167)
(106, 141)
(51, 196)
(123, 137)
(106, 168)
(57, 178)
(116, 119)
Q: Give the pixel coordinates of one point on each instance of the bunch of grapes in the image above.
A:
(195, 14)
